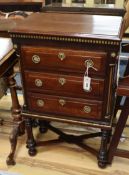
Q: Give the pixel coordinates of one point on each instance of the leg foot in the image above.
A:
(32, 152)
(10, 161)
(102, 164)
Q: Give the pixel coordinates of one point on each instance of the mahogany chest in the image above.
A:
(57, 51)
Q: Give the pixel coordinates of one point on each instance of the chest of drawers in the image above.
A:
(56, 51)
(57, 85)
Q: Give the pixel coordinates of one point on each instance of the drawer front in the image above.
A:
(42, 58)
(63, 84)
(65, 106)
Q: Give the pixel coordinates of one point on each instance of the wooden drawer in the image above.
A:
(42, 58)
(61, 84)
(64, 106)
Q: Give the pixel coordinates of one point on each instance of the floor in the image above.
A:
(56, 159)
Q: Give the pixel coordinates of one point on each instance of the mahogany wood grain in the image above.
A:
(74, 61)
(63, 84)
(71, 107)
(81, 25)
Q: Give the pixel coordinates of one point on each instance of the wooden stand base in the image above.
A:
(71, 139)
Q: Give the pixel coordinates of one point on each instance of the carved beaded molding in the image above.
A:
(68, 39)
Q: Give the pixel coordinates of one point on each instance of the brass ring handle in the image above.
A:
(87, 109)
(62, 102)
(89, 63)
(61, 56)
(38, 82)
(62, 81)
(35, 59)
(40, 103)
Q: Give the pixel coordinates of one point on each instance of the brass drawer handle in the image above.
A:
(62, 102)
(62, 81)
(87, 109)
(38, 82)
(40, 103)
(61, 56)
(35, 59)
(89, 63)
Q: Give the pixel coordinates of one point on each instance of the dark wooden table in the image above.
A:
(7, 62)
(24, 5)
(9, 59)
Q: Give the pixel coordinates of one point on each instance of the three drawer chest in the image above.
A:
(69, 71)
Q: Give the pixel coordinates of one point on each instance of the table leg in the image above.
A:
(102, 157)
(18, 128)
(118, 130)
(30, 138)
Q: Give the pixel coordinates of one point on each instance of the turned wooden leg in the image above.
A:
(16, 108)
(13, 140)
(102, 157)
(30, 138)
(16, 114)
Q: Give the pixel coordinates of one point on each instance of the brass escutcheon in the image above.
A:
(15, 46)
(38, 82)
(35, 59)
(87, 109)
(61, 56)
(40, 103)
(62, 81)
(113, 54)
(62, 102)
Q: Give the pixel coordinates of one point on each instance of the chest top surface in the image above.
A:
(71, 25)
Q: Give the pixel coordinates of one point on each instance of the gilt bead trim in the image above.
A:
(68, 39)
